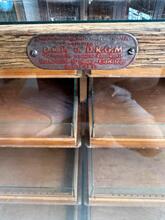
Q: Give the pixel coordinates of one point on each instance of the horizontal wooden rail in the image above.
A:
(14, 40)
(127, 142)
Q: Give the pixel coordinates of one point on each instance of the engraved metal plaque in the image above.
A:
(82, 51)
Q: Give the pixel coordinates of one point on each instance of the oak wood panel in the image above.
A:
(132, 143)
(150, 35)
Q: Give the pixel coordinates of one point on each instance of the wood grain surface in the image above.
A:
(14, 40)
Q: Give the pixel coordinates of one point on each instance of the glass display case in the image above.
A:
(82, 109)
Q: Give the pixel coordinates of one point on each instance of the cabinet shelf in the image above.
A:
(127, 113)
(39, 113)
(126, 176)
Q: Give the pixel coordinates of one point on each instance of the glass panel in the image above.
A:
(74, 10)
(38, 172)
(126, 213)
(124, 172)
(37, 212)
(107, 10)
(59, 10)
(129, 108)
(36, 108)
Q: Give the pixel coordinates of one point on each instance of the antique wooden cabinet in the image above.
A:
(82, 109)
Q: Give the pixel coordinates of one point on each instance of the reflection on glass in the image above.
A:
(163, 15)
(142, 10)
(130, 107)
(65, 10)
(73, 10)
(7, 11)
(37, 212)
(135, 173)
(30, 172)
(125, 10)
(107, 10)
(126, 213)
(36, 108)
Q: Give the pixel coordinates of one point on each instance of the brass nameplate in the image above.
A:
(82, 51)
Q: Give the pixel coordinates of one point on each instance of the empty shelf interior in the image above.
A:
(37, 212)
(129, 108)
(41, 108)
(38, 172)
(126, 173)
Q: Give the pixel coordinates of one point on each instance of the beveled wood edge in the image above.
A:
(60, 199)
(38, 73)
(38, 142)
(129, 72)
(126, 201)
(132, 143)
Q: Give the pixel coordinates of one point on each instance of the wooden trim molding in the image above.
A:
(14, 39)
(133, 143)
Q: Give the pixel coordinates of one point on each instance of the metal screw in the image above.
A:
(33, 53)
(131, 51)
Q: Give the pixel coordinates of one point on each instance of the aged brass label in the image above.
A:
(82, 51)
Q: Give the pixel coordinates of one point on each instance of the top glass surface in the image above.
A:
(83, 10)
